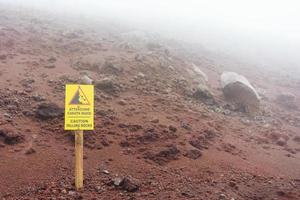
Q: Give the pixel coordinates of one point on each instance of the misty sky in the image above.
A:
(259, 27)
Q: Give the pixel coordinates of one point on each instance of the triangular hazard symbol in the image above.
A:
(79, 98)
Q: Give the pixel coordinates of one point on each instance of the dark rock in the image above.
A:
(104, 142)
(2, 57)
(108, 86)
(86, 65)
(148, 136)
(281, 142)
(50, 66)
(281, 193)
(125, 184)
(131, 127)
(186, 126)
(11, 137)
(52, 60)
(129, 186)
(124, 143)
(30, 151)
(111, 68)
(139, 58)
(232, 184)
(49, 111)
(193, 154)
(155, 121)
(38, 97)
(28, 113)
(222, 196)
(172, 128)
(297, 139)
(27, 82)
(203, 94)
(199, 143)
(164, 156)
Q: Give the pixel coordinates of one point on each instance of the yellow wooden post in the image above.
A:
(79, 116)
(79, 160)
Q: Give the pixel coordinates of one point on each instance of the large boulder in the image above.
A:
(237, 89)
(287, 100)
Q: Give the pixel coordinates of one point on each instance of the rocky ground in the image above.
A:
(158, 135)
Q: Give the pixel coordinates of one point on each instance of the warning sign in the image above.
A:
(79, 107)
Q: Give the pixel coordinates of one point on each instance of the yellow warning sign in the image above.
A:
(79, 107)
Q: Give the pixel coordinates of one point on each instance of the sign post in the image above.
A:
(79, 116)
(78, 160)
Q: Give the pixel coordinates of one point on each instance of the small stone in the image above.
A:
(49, 66)
(72, 193)
(86, 80)
(193, 154)
(52, 60)
(117, 181)
(98, 188)
(138, 57)
(226, 112)
(222, 196)
(172, 128)
(245, 121)
(7, 115)
(155, 121)
(281, 193)
(281, 142)
(122, 102)
(105, 171)
(30, 151)
(232, 184)
(38, 97)
(141, 75)
(2, 57)
(129, 186)
(29, 89)
(125, 184)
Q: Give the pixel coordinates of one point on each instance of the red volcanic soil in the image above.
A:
(152, 140)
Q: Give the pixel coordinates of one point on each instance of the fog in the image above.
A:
(263, 32)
